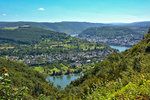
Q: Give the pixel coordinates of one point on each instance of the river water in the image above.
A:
(74, 35)
(120, 48)
(65, 80)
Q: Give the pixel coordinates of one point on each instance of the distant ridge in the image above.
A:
(69, 27)
(64, 27)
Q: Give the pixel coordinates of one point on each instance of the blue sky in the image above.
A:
(104, 11)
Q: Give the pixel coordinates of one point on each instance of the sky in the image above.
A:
(98, 11)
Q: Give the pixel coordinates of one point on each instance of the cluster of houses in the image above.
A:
(124, 40)
(74, 59)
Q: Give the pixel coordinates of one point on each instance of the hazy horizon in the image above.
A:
(79, 22)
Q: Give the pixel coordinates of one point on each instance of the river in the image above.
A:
(65, 80)
(74, 35)
(120, 48)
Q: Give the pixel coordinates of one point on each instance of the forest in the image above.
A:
(35, 41)
(107, 32)
(63, 27)
(69, 27)
(74, 50)
(22, 80)
(120, 76)
(121, 35)
(50, 52)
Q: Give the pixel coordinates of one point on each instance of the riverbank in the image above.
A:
(62, 81)
(120, 48)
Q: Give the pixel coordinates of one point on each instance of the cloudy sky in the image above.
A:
(75, 10)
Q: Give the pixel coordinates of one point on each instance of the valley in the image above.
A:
(114, 35)
(126, 40)
(50, 52)
(73, 66)
(74, 50)
(120, 76)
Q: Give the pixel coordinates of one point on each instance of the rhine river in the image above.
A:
(65, 80)
(120, 48)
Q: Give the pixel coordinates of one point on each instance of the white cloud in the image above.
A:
(3, 14)
(41, 9)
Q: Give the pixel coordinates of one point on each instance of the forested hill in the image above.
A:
(35, 41)
(24, 76)
(106, 32)
(123, 75)
(117, 29)
(144, 23)
(31, 35)
(122, 35)
(76, 27)
(64, 27)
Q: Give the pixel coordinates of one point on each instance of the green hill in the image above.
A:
(106, 32)
(30, 34)
(55, 52)
(123, 75)
(34, 41)
(122, 35)
(24, 76)
(77, 27)
(120, 76)
(64, 27)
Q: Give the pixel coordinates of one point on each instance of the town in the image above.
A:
(74, 59)
(123, 40)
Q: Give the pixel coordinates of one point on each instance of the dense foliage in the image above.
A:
(36, 41)
(112, 30)
(76, 27)
(28, 35)
(65, 27)
(7, 91)
(136, 88)
(24, 76)
(107, 32)
(120, 76)
(123, 75)
(51, 50)
(121, 35)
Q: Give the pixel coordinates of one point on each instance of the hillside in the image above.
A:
(122, 35)
(42, 41)
(77, 27)
(24, 76)
(64, 27)
(144, 23)
(31, 35)
(140, 27)
(123, 75)
(56, 53)
(106, 32)
(120, 76)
